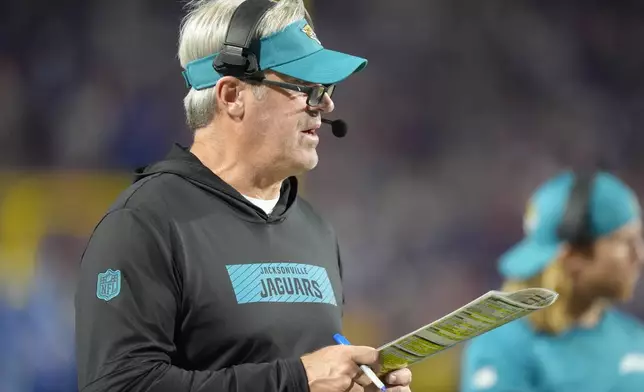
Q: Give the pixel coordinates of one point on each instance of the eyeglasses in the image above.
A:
(315, 94)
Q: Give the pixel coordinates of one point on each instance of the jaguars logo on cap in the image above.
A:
(530, 218)
(308, 30)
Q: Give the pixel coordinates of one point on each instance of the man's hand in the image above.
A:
(337, 368)
(397, 381)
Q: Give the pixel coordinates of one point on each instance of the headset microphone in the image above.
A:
(338, 127)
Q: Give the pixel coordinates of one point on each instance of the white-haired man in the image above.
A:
(209, 273)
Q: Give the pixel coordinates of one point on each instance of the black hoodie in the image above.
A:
(187, 286)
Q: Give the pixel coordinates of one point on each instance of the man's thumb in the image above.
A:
(363, 355)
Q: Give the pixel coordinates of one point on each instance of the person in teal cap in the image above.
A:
(210, 272)
(583, 239)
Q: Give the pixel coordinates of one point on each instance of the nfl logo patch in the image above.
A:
(108, 285)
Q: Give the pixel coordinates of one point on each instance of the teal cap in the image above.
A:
(612, 205)
(295, 51)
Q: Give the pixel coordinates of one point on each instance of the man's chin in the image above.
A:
(303, 166)
(309, 161)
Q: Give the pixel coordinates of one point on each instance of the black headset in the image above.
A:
(575, 227)
(240, 55)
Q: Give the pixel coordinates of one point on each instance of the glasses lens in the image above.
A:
(316, 95)
(330, 89)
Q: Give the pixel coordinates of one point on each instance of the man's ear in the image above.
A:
(229, 96)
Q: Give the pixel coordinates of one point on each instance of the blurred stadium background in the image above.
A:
(464, 108)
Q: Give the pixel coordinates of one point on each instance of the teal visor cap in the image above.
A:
(294, 51)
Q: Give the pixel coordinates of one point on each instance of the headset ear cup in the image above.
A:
(219, 65)
(231, 60)
(239, 55)
(252, 65)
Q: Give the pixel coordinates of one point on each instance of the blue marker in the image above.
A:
(339, 339)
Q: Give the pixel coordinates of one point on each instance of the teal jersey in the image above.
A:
(606, 358)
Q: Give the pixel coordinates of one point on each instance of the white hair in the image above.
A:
(203, 32)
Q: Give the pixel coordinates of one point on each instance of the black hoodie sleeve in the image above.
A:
(125, 343)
